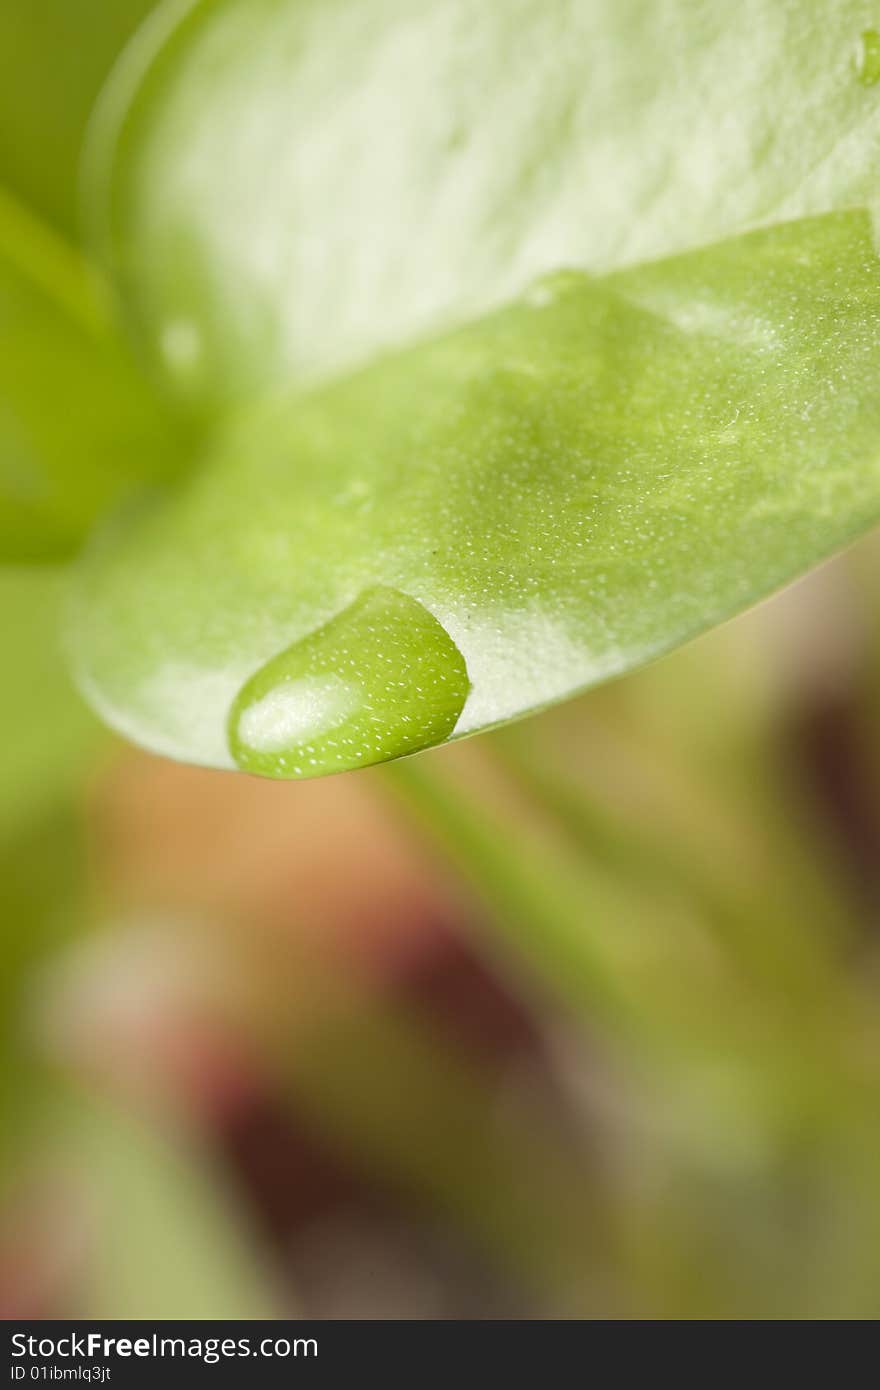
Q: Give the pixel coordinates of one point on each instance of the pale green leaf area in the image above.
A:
(569, 486)
(283, 187)
(54, 56)
(78, 425)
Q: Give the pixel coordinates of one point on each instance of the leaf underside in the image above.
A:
(469, 299)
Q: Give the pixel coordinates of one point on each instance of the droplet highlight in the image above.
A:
(380, 680)
(867, 58)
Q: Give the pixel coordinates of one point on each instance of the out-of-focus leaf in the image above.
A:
(286, 186)
(51, 737)
(167, 1240)
(54, 56)
(51, 734)
(78, 425)
(569, 486)
(42, 897)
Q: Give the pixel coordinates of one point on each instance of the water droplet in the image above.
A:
(380, 680)
(867, 58)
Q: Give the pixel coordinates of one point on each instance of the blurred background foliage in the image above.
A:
(577, 1019)
(54, 59)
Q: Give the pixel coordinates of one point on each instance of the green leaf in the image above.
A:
(284, 187)
(54, 56)
(569, 486)
(78, 425)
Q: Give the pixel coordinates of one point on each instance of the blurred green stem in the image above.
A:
(761, 931)
(552, 916)
(643, 968)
